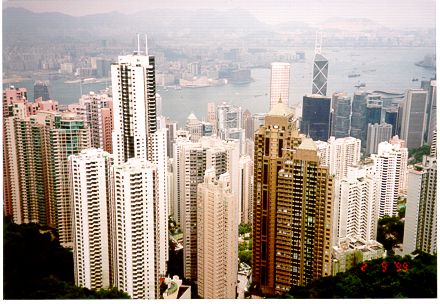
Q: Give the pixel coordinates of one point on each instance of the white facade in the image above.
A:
(217, 237)
(190, 163)
(390, 168)
(89, 178)
(246, 189)
(194, 126)
(134, 250)
(339, 154)
(279, 83)
(136, 135)
(421, 209)
(356, 206)
(134, 107)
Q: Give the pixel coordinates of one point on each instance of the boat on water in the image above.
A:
(352, 75)
(415, 79)
(360, 85)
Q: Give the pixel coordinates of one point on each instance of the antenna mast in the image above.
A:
(146, 45)
(318, 42)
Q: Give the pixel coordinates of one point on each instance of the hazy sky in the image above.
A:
(419, 13)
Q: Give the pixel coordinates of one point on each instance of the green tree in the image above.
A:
(390, 232)
(380, 279)
(37, 267)
(244, 228)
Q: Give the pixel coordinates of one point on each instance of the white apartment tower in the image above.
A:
(246, 190)
(356, 205)
(134, 250)
(217, 237)
(421, 209)
(390, 169)
(136, 135)
(190, 163)
(339, 154)
(89, 179)
(279, 83)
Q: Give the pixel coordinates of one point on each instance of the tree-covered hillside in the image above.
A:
(35, 266)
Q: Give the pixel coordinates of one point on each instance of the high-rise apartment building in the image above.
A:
(292, 218)
(212, 116)
(390, 169)
(98, 115)
(191, 161)
(279, 83)
(320, 74)
(228, 117)
(246, 190)
(217, 237)
(89, 180)
(341, 104)
(421, 208)
(414, 118)
(136, 135)
(316, 117)
(69, 136)
(376, 134)
(194, 126)
(135, 253)
(356, 205)
(339, 154)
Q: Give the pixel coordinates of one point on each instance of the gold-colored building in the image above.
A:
(292, 207)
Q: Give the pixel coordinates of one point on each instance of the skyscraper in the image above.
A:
(90, 178)
(136, 135)
(41, 90)
(245, 196)
(192, 159)
(134, 251)
(194, 126)
(339, 154)
(68, 137)
(421, 209)
(134, 107)
(217, 237)
(390, 170)
(414, 120)
(292, 218)
(279, 83)
(358, 116)
(341, 115)
(391, 118)
(320, 74)
(356, 205)
(376, 134)
(316, 117)
(99, 118)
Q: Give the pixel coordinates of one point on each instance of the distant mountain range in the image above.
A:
(18, 22)
(22, 25)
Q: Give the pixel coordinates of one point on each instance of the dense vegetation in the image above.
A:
(390, 232)
(35, 266)
(416, 155)
(377, 280)
(245, 246)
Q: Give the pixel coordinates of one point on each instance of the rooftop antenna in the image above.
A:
(318, 42)
(139, 46)
(146, 45)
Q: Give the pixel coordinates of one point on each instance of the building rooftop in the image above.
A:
(308, 144)
(280, 109)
